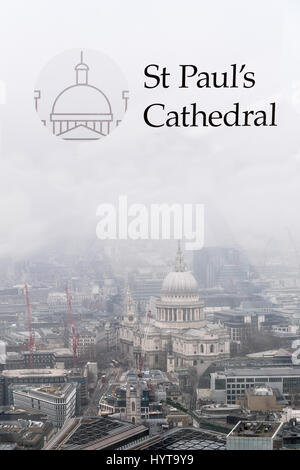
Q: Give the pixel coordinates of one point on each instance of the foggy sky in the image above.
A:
(247, 178)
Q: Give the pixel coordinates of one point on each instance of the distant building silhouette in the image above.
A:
(219, 267)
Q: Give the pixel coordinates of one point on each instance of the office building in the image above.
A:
(57, 401)
(229, 385)
(35, 377)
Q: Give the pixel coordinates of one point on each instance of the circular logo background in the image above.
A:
(81, 94)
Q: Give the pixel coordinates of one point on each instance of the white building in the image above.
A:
(253, 436)
(56, 401)
(57, 302)
(86, 342)
(179, 335)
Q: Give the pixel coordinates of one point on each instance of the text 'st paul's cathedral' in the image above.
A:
(179, 336)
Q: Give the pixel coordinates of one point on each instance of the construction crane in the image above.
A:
(71, 323)
(31, 335)
(142, 358)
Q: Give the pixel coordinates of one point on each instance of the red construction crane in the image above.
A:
(74, 336)
(31, 336)
(141, 363)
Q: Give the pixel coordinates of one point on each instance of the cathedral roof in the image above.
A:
(180, 281)
(210, 330)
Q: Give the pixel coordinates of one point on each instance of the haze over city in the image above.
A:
(247, 178)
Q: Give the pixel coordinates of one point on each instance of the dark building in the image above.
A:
(41, 359)
(80, 377)
(220, 266)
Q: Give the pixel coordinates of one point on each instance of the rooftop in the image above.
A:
(252, 304)
(261, 391)
(255, 429)
(271, 353)
(185, 439)
(263, 372)
(57, 390)
(8, 446)
(21, 424)
(207, 330)
(92, 433)
(34, 373)
(63, 352)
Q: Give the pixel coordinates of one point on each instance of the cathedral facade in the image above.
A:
(178, 335)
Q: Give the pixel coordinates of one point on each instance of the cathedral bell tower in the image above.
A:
(133, 403)
(129, 315)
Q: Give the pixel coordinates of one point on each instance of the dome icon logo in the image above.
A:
(81, 95)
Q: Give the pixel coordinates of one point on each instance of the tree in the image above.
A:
(259, 341)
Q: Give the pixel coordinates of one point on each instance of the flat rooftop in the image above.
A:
(154, 374)
(14, 426)
(34, 373)
(263, 372)
(8, 446)
(58, 351)
(14, 355)
(255, 429)
(60, 391)
(271, 353)
(63, 352)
